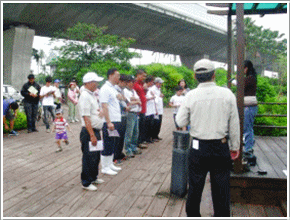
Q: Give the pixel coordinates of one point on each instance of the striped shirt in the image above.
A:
(60, 124)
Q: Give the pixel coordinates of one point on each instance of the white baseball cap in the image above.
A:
(91, 76)
(203, 66)
(158, 80)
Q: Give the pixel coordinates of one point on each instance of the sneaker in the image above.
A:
(47, 130)
(72, 121)
(130, 155)
(66, 142)
(99, 181)
(13, 133)
(137, 152)
(159, 138)
(76, 120)
(91, 187)
(117, 161)
(58, 150)
(143, 146)
(29, 131)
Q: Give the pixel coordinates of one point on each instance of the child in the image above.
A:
(175, 102)
(59, 125)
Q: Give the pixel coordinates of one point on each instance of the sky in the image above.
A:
(277, 22)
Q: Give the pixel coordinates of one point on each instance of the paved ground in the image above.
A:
(37, 182)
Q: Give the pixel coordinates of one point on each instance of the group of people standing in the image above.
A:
(122, 110)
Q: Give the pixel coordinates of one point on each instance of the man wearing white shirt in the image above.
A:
(159, 104)
(151, 109)
(109, 99)
(90, 137)
(132, 128)
(47, 92)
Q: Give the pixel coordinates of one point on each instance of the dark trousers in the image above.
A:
(119, 148)
(46, 110)
(213, 157)
(90, 160)
(142, 128)
(31, 114)
(149, 124)
(157, 126)
(110, 143)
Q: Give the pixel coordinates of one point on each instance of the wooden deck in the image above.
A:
(37, 182)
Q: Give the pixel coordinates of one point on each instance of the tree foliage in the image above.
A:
(86, 44)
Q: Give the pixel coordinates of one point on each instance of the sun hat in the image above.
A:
(203, 66)
(91, 76)
(158, 80)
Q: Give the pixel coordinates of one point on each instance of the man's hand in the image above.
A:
(111, 126)
(235, 154)
(6, 126)
(94, 140)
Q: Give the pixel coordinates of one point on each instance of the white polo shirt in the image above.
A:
(49, 100)
(88, 106)
(128, 95)
(151, 104)
(159, 100)
(108, 94)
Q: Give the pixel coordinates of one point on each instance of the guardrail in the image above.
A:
(271, 126)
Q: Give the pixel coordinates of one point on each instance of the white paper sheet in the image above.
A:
(98, 147)
(195, 144)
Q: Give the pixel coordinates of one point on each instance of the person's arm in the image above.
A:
(182, 116)
(234, 129)
(53, 128)
(5, 123)
(90, 130)
(105, 109)
(71, 97)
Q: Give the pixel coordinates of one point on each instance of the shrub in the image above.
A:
(19, 123)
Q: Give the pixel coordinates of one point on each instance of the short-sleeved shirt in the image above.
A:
(88, 106)
(60, 124)
(159, 100)
(49, 100)
(151, 104)
(128, 95)
(108, 94)
(138, 87)
(176, 100)
(6, 103)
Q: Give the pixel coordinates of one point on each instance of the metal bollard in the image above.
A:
(179, 169)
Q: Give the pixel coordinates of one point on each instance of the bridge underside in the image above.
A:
(152, 30)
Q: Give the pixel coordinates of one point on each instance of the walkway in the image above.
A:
(37, 182)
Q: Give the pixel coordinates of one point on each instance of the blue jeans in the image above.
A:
(249, 118)
(46, 110)
(132, 133)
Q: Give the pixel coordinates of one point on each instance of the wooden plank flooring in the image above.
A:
(37, 182)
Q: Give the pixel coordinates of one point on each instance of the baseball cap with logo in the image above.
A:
(92, 77)
(203, 66)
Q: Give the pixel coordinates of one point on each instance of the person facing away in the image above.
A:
(59, 126)
(175, 102)
(31, 93)
(250, 108)
(90, 137)
(47, 94)
(212, 113)
(10, 107)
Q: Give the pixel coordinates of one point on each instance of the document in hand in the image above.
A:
(32, 90)
(113, 133)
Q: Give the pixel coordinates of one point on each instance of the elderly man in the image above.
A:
(213, 116)
(92, 123)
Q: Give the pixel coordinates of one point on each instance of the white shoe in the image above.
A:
(72, 121)
(108, 171)
(113, 167)
(99, 181)
(91, 187)
(76, 120)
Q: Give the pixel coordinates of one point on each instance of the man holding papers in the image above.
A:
(30, 91)
(92, 123)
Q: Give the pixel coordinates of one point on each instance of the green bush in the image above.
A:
(19, 123)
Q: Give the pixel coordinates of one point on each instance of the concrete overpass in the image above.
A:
(154, 26)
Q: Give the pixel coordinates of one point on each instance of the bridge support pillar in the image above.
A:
(189, 61)
(17, 50)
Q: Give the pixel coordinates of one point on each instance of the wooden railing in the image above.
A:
(271, 126)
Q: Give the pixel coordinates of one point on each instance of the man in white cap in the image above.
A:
(212, 114)
(159, 105)
(92, 123)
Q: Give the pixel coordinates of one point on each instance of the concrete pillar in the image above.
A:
(189, 61)
(17, 50)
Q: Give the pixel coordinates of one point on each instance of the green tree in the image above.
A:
(263, 46)
(85, 44)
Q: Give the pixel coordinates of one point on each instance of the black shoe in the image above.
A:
(29, 131)
(34, 130)
(158, 138)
